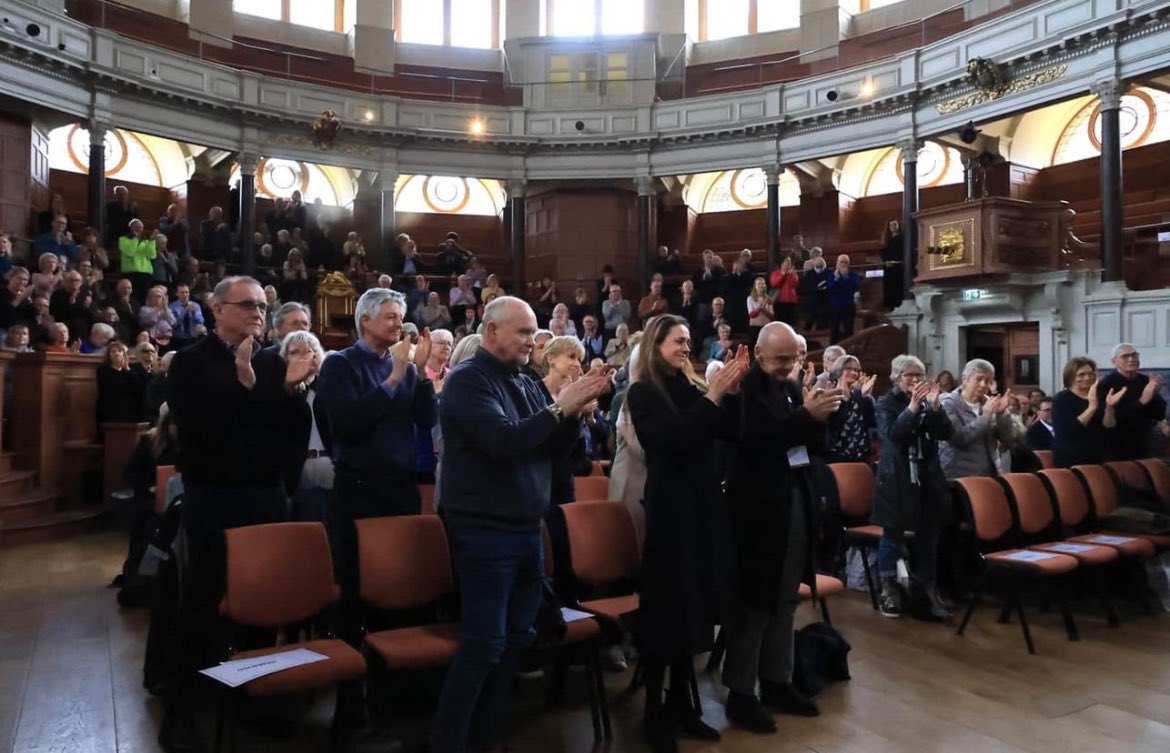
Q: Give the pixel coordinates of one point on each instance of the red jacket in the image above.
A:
(785, 286)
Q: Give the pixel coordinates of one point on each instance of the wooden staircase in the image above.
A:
(30, 512)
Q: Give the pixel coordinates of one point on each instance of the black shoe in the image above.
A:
(749, 713)
(688, 720)
(179, 734)
(890, 601)
(659, 735)
(695, 728)
(782, 698)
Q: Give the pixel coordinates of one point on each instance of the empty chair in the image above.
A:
(1102, 485)
(1075, 511)
(603, 549)
(1159, 474)
(426, 493)
(855, 488)
(591, 488)
(1046, 458)
(281, 575)
(827, 586)
(1129, 474)
(985, 505)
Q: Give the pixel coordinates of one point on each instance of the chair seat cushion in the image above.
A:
(579, 631)
(1095, 555)
(413, 647)
(612, 609)
(864, 532)
(1134, 546)
(827, 586)
(344, 663)
(1058, 564)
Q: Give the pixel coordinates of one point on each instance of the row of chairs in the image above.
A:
(1016, 523)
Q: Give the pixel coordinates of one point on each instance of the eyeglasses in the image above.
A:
(248, 305)
(913, 375)
(1134, 354)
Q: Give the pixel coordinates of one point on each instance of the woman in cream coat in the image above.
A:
(627, 478)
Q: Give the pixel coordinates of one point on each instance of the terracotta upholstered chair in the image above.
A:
(855, 489)
(984, 503)
(591, 488)
(1103, 487)
(281, 575)
(603, 549)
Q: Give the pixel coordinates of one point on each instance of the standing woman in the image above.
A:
(759, 308)
(893, 288)
(677, 420)
(851, 424)
(627, 478)
(912, 493)
(1081, 426)
(785, 280)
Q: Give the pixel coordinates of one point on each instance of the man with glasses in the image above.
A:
(772, 506)
(1040, 433)
(237, 408)
(375, 395)
(1139, 409)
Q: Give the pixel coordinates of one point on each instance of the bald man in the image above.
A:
(500, 435)
(771, 488)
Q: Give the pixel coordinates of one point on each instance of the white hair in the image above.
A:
(1120, 347)
(839, 366)
(833, 352)
(903, 362)
(224, 286)
(371, 303)
(466, 348)
(442, 336)
(632, 366)
(977, 366)
(101, 328)
(301, 336)
(712, 367)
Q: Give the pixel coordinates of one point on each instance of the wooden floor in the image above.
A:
(70, 680)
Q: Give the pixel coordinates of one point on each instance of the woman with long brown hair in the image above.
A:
(677, 419)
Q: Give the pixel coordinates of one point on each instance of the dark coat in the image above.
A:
(1135, 422)
(760, 485)
(681, 575)
(898, 503)
(1038, 437)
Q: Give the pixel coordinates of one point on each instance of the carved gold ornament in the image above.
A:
(948, 244)
(325, 129)
(995, 90)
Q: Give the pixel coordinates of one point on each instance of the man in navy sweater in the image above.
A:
(374, 395)
(500, 435)
(1140, 408)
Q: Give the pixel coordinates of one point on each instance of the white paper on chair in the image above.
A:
(1070, 548)
(574, 615)
(1026, 556)
(239, 671)
(1111, 540)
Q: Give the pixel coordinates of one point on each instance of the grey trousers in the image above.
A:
(763, 646)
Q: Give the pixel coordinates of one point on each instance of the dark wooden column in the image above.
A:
(646, 208)
(1109, 94)
(387, 226)
(97, 179)
(517, 208)
(909, 209)
(247, 212)
(773, 172)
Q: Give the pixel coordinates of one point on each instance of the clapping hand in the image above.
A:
(821, 404)
(933, 394)
(727, 379)
(1151, 388)
(866, 384)
(810, 374)
(1093, 397)
(244, 371)
(400, 355)
(576, 396)
(1114, 396)
(300, 368)
(422, 351)
(918, 394)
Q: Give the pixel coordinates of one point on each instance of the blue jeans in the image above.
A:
(500, 584)
(924, 548)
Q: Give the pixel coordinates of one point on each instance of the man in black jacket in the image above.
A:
(500, 435)
(1040, 433)
(1139, 409)
(237, 409)
(771, 495)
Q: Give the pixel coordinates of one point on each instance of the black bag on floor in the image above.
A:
(822, 657)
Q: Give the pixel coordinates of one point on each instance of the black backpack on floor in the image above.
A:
(822, 657)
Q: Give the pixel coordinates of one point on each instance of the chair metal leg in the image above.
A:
(715, 660)
(1070, 625)
(221, 712)
(557, 686)
(825, 617)
(1005, 614)
(602, 700)
(1024, 627)
(873, 600)
(592, 667)
(967, 615)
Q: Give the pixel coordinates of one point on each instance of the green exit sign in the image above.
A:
(974, 294)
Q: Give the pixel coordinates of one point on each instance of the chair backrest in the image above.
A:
(1069, 492)
(404, 561)
(1102, 488)
(591, 488)
(855, 488)
(1046, 458)
(1033, 504)
(426, 493)
(277, 574)
(598, 469)
(1159, 474)
(1129, 473)
(991, 515)
(603, 546)
(162, 475)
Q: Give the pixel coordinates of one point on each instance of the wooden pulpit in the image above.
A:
(333, 313)
(990, 236)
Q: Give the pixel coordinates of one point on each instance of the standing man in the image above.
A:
(188, 317)
(119, 212)
(137, 258)
(828, 358)
(1140, 408)
(236, 408)
(771, 499)
(500, 436)
(374, 397)
(614, 311)
(290, 317)
(843, 287)
(1040, 433)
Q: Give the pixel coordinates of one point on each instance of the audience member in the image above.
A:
(137, 252)
(296, 277)
(1083, 427)
(722, 347)
(1138, 408)
(56, 209)
(759, 307)
(353, 246)
(100, 335)
(708, 281)
(58, 338)
(979, 420)
(501, 435)
(617, 349)
(91, 251)
(814, 292)
(850, 428)
(453, 258)
(831, 354)
(290, 317)
(119, 389)
(560, 316)
(155, 310)
(17, 338)
(911, 488)
(773, 509)
(48, 276)
(785, 280)
(653, 303)
(491, 290)
(165, 264)
(16, 307)
(677, 417)
(5, 254)
(946, 382)
(627, 478)
(668, 263)
(314, 485)
(177, 230)
(72, 305)
(893, 285)
(844, 287)
(409, 261)
(547, 298)
(187, 316)
(119, 213)
(155, 394)
(592, 338)
(434, 315)
(58, 241)
(615, 311)
(461, 297)
(1040, 432)
(799, 254)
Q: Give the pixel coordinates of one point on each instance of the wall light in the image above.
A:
(867, 88)
(476, 127)
(369, 116)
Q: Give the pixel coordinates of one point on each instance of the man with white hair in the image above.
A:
(500, 434)
(100, 335)
(1140, 408)
(375, 396)
(829, 357)
(291, 317)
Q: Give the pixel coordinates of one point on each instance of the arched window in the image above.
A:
(130, 157)
(444, 194)
(319, 14)
(720, 19)
(1145, 119)
(280, 177)
(586, 18)
(737, 190)
(938, 165)
(455, 23)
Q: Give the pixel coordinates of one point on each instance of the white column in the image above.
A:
(522, 18)
(823, 24)
(666, 16)
(371, 40)
(211, 21)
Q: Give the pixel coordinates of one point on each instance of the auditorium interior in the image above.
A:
(1019, 145)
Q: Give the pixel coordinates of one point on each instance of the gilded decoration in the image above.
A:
(996, 87)
(950, 244)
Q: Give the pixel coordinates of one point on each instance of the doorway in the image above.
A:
(1013, 349)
